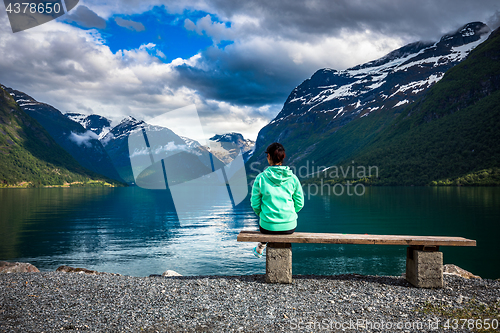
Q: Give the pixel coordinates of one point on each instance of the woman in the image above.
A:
(276, 196)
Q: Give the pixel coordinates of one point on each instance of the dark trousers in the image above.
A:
(271, 232)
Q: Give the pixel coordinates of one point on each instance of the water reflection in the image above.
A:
(136, 232)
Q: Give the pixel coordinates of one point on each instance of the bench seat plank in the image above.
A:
(329, 238)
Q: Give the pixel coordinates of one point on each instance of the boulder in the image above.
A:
(17, 267)
(171, 273)
(455, 270)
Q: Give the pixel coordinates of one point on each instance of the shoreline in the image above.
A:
(96, 184)
(54, 301)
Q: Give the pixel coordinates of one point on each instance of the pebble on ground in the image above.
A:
(62, 302)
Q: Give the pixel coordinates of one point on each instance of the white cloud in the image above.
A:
(216, 30)
(169, 147)
(83, 138)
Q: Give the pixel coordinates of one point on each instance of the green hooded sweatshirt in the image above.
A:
(276, 198)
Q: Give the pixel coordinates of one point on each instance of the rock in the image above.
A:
(171, 273)
(455, 270)
(17, 267)
(68, 269)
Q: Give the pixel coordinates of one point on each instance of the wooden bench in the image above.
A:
(424, 262)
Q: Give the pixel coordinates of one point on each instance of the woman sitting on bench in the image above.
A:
(276, 197)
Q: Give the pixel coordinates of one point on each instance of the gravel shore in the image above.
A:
(61, 302)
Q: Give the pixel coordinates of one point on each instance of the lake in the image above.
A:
(136, 232)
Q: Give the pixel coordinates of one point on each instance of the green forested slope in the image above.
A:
(30, 157)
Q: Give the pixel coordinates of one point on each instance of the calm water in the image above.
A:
(136, 232)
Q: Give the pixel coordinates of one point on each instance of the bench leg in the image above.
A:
(279, 263)
(424, 267)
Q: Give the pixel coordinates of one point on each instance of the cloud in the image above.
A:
(83, 138)
(129, 24)
(494, 21)
(303, 20)
(218, 31)
(84, 108)
(85, 17)
(169, 147)
(239, 86)
(250, 72)
(160, 54)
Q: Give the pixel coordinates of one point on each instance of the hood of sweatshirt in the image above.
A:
(278, 174)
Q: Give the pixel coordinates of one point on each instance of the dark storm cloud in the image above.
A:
(229, 75)
(310, 19)
(423, 19)
(85, 17)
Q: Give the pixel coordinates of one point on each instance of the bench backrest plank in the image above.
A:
(328, 238)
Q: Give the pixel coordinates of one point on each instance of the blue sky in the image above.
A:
(156, 26)
(236, 61)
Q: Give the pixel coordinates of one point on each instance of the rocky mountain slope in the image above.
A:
(449, 137)
(368, 97)
(227, 146)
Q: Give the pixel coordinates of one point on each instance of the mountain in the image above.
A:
(227, 146)
(181, 153)
(451, 135)
(81, 143)
(95, 123)
(368, 97)
(29, 156)
(116, 144)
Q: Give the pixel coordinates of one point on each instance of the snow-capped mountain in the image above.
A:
(115, 141)
(79, 142)
(116, 144)
(190, 142)
(95, 123)
(227, 146)
(330, 99)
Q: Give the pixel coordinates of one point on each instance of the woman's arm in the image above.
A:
(298, 196)
(256, 198)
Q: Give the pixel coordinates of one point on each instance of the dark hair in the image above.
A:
(277, 152)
